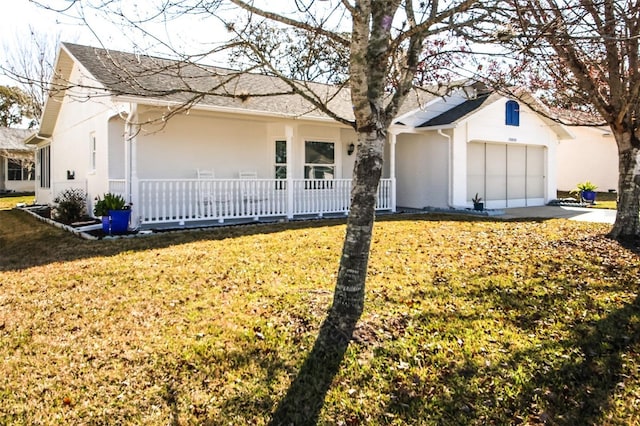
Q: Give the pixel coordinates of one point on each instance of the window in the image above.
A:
(44, 161)
(92, 151)
(281, 160)
(281, 163)
(20, 169)
(319, 160)
(512, 114)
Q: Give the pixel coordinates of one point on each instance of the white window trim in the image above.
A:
(93, 155)
(334, 165)
(275, 165)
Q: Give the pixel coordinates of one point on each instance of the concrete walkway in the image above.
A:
(571, 213)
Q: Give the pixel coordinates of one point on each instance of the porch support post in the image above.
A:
(131, 167)
(392, 168)
(288, 131)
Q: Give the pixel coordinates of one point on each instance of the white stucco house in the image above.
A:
(17, 172)
(110, 125)
(592, 155)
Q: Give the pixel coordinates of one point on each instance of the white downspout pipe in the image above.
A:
(288, 130)
(392, 168)
(449, 168)
(131, 167)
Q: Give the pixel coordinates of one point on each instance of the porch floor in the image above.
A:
(201, 224)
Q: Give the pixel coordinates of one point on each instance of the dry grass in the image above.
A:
(604, 200)
(9, 201)
(468, 321)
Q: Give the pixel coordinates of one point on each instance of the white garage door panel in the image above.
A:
(475, 170)
(506, 175)
(516, 176)
(496, 173)
(535, 172)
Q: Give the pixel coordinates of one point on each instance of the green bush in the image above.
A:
(71, 205)
(108, 202)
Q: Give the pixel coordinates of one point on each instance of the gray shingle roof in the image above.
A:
(13, 139)
(127, 74)
(459, 112)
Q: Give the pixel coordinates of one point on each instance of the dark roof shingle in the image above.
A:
(13, 139)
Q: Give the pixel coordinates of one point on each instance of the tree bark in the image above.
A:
(348, 297)
(627, 222)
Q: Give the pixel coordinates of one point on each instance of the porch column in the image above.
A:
(131, 161)
(392, 168)
(288, 132)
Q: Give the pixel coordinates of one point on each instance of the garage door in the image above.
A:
(506, 175)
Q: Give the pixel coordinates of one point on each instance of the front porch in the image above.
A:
(161, 201)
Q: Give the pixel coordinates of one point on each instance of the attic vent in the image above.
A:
(512, 113)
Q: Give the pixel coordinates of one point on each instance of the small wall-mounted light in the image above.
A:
(71, 174)
(350, 149)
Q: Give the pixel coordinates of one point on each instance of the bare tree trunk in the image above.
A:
(628, 211)
(348, 297)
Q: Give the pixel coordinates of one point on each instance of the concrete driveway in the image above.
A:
(571, 213)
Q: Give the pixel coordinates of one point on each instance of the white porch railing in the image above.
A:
(181, 200)
(118, 186)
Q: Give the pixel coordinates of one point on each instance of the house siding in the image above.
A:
(432, 174)
(592, 156)
(70, 144)
(423, 177)
(228, 145)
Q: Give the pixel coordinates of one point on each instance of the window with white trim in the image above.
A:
(280, 164)
(18, 169)
(512, 113)
(319, 160)
(281, 160)
(92, 151)
(44, 163)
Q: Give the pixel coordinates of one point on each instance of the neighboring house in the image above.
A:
(591, 156)
(17, 171)
(109, 127)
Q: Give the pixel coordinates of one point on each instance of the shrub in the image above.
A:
(70, 206)
(108, 202)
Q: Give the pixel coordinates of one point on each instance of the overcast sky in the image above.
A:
(22, 14)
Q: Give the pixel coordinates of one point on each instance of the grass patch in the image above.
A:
(467, 321)
(9, 201)
(604, 200)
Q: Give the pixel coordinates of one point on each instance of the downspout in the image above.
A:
(131, 170)
(288, 130)
(450, 169)
(392, 169)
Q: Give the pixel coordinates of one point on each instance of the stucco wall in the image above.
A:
(229, 144)
(488, 125)
(422, 170)
(591, 156)
(70, 144)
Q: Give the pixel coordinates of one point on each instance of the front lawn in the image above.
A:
(9, 201)
(604, 200)
(468, 321)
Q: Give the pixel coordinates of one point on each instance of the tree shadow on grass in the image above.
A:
(573, 382)
(305, 396)
(579, 390)
(26, 242)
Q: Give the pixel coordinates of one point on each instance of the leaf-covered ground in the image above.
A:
(468, 321)
(9, 201)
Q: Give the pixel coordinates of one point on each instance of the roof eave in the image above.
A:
(36, 139)
(229, 110)
(399, 128)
